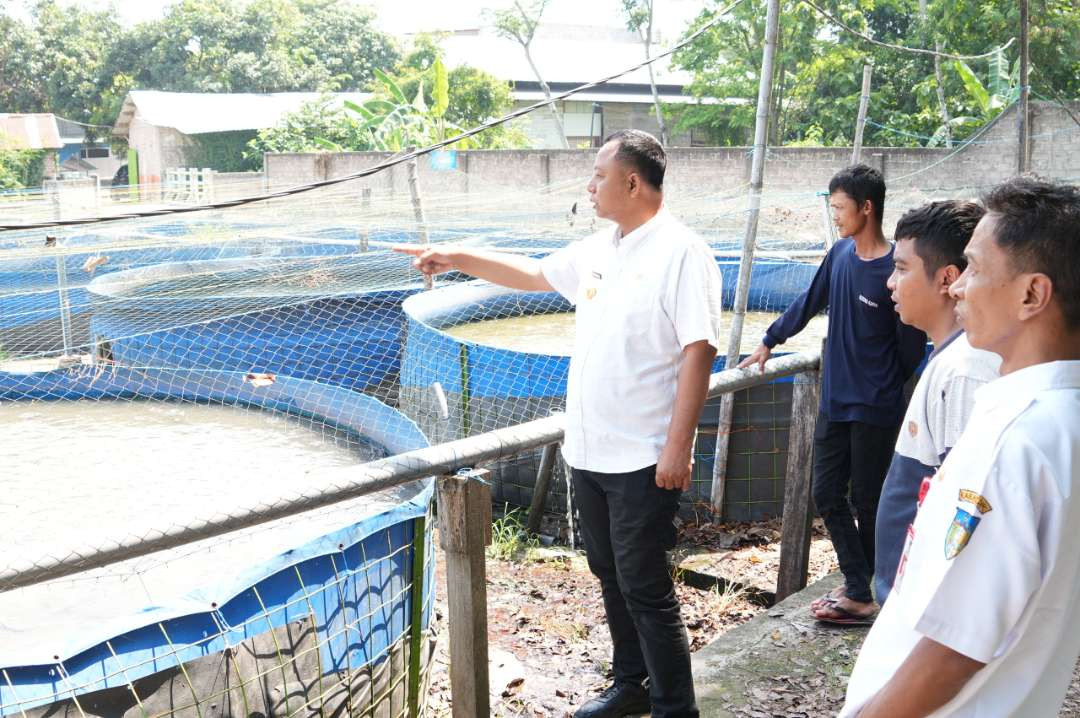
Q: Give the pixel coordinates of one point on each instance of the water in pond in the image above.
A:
(90, 473)
(554, 333)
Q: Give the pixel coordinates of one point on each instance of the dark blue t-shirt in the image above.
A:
(869, 352)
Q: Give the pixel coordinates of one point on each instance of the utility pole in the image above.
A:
(746, 263)
(1024, 122)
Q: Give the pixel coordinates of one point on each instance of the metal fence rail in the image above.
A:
(346, 484)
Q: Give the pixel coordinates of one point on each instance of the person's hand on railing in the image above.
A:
(759, 357)
(673, 468)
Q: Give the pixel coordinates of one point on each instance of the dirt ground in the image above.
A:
(548, 642)
(549, 645)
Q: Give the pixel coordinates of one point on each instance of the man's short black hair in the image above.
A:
(861, 183)
(940, 231)
(643, 153)
(1038, 225)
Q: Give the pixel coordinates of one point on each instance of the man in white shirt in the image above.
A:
(929, 257)
(983, 616)
(647, 296)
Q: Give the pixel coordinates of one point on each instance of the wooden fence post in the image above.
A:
(465, 532)
(541, 488)
(798, 507)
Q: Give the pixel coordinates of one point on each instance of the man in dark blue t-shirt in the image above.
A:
(869, 355)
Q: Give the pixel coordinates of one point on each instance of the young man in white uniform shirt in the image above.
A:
(647, 294)
(983, 617)
(929, 257)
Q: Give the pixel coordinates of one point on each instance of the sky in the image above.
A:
(406, 16)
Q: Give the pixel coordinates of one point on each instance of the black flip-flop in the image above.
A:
(845, 617)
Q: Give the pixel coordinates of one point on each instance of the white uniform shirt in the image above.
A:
(640, 300)
(942, 400)
(993, 570)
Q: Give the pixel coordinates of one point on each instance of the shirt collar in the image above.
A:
(947, 342)
(641, 232)
(1025, 383)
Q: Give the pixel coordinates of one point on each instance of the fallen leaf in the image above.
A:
(93, 263)
(259, 380)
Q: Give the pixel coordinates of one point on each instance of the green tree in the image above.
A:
(819, 66)
(301, 131)
(475, 96)
(52, 63)
(261, 46)
(519, 23)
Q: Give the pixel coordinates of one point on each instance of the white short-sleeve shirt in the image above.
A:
(993, 568)
(640, 299)
(943, 399)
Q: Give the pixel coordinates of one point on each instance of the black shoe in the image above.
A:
(622, 699)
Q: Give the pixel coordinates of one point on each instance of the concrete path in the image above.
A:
(781, 663)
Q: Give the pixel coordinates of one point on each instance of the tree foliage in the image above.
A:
(422, 104)
(80, 63)
(819, 67)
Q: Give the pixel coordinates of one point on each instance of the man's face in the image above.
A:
(916, 295)
(609, 187)
(848, 217)
(990, 292)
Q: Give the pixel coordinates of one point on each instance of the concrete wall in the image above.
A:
(158, 148)
(1055, 152)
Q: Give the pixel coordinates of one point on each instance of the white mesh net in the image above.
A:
(314, 348)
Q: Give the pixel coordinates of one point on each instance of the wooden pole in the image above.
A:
(543, 485)
(465, 532)
(418, 209)
(746, 262)
(860, 123)
(798, 507)
(416, 629)
(1024, 120)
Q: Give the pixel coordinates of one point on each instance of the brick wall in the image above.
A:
(992, 157)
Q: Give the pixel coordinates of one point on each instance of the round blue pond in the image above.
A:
(306, 614)
(479, 357)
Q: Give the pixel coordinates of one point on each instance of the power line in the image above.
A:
(83, 124)
(385, 164)
(903, 48)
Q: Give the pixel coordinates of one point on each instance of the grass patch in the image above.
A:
(509, 539)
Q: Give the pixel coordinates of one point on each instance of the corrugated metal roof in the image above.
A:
(36, 131)
(196, 113)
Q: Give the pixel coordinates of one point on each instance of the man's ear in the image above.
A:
(946, 276)
(867, 207)
(634, 182)
(1037, 295)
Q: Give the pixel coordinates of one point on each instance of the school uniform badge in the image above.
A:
(959, 533)
(965, 522)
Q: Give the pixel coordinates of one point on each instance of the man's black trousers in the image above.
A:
(626, 521)
(850, 456)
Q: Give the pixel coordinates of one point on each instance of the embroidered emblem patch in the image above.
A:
(975, 500)
(959, 533)
(913, 429)
(590, 292)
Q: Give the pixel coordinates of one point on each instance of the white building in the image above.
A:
(575, 43)
(162, 126)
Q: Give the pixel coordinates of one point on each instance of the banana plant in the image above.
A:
(1001, 89)
(395, 123)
